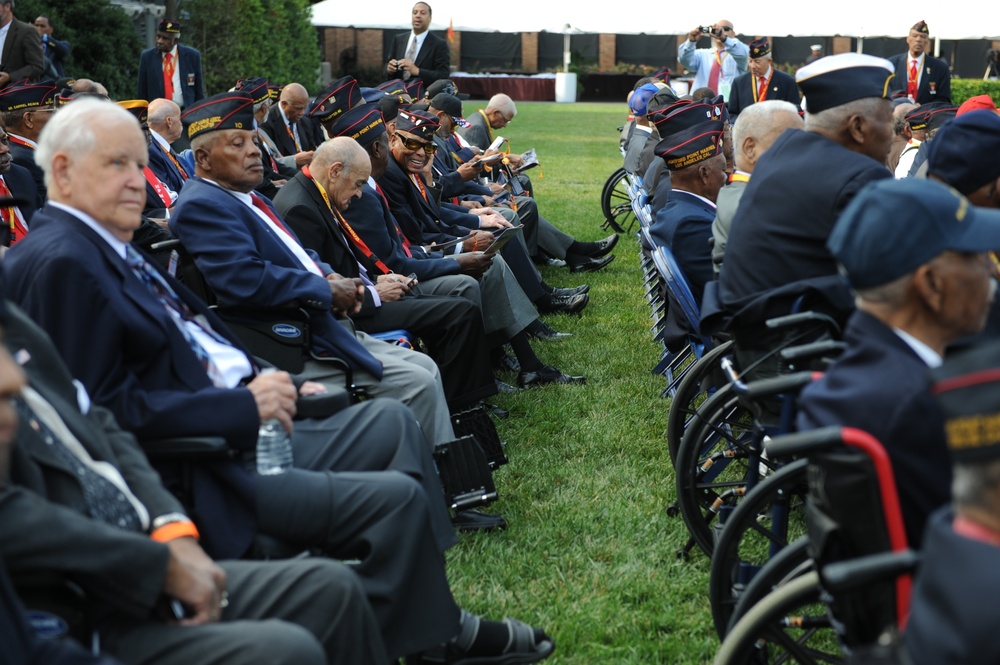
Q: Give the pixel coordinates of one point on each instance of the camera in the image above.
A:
(707, 29)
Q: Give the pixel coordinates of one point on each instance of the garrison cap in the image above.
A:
(838, 79)
(258, 88)
(964, 151)
(967, 386)
(418, 123)
(137, 107)
(23, 96)
(227, 110)
(760, 48)
(169, 27)
(336, 98)
(363, 124)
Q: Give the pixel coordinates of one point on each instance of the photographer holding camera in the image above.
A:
(718, 66)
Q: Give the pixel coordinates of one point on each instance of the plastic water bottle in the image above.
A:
(274, 448)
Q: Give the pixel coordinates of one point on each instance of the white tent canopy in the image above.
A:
(852, 18)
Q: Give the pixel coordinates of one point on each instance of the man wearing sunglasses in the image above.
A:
(716, 67)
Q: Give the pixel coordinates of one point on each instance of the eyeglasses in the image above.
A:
(414, 145)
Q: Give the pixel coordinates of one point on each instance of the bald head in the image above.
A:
(165, 119)
(293, 101)
(341, 166)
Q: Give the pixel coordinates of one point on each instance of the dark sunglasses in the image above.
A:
(414, 145)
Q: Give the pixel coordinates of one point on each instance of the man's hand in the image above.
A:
(391, 291)
(493, 220)
(478, 241)
(495, 187)
(195, 580)
(474, 264)
(348, 294)
(303, 158)
(4, 78)
(471, 206)
(274, 393)
(515, 160)
(311, 388)
(695, 34)
(469, 170)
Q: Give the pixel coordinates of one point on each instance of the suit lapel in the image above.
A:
(8, 44)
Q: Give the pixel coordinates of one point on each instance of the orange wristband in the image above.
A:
(169, 532)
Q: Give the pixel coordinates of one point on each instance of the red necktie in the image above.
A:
(713, 75)
(761, 89)
(911, 81)
(263, 207)
(168, 75)
(10, 218)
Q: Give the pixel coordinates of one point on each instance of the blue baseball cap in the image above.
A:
(964, 151)
(892, 227)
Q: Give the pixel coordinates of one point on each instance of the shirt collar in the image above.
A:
(697, 196)
(926, 353)
(159, 139)
(117, 245)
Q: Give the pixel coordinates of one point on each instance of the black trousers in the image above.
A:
(452, 330)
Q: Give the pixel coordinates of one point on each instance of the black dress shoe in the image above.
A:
(579, 290)
(506, 363)
(541, 330)
(552, 304)
(503, 387)
(547, 374)
(473, 520)
(586, 264)
(605, 246)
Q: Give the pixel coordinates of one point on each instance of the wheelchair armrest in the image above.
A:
(847, 576)
(827, 347)
(779, 385)
(322, 406)
(791, 320)
(186, 448)
(804, 443)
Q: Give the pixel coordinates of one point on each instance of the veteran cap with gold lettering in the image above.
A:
(363, 124)
(227, 110)
(137, 107)
(967, 386)
(892, 227)
(336, 98)
(691, 131)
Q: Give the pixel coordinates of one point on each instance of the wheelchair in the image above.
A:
(720, 456)
(853, 590)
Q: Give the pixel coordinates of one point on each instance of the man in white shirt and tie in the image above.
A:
(419, 54)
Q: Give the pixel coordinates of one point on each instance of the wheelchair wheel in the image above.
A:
(788, 626)
(791, 562)
(760, 527)
(713, 462)
(616, 204)
(699, 383)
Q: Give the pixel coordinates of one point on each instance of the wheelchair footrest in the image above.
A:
(476, 422)
(465, 474)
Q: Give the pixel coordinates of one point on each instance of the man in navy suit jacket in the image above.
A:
(428, 59)
(920, 75)
(186, 85)
(914, 252)
(164, 364)
(762, 82)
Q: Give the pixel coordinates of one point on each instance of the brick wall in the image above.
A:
(606, 52)
(529, 51)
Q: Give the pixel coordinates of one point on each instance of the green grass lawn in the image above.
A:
(589, 553)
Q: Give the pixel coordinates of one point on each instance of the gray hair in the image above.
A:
(892, 294)
(503, 103)
(759, 121)
(71, 131)
(975, 484)
(341, 149)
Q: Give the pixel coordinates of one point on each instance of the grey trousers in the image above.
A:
(365, 487)
(409, 376)
(298, 612)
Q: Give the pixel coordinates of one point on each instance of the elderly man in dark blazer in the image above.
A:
(762, 82)
(170, 69)
(418, 53)
(156, 347)
(914, 252)
(22, 56)
(919, 75)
